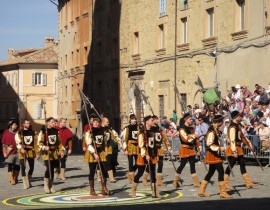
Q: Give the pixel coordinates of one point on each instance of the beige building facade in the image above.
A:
(170, 50)
(27, 78)
(88, 60)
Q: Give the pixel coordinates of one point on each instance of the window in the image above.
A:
(162, 8)
(161, 105)
(136, 43)
(210, 14)
(184, 30)
(37, 111)
(161, 37)
(183, 101)
(241, 4)
(39, 79)
(3, 80)
(77, 57)
(85, 56)
(184, 5)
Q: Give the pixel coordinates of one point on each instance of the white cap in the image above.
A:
(237, 86)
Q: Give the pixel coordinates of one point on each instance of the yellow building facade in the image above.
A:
(27, 78)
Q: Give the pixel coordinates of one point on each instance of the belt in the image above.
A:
(52, 147)
(158, 145)
(28, 147)
(186, 146)
(237, 143)
(133, 141)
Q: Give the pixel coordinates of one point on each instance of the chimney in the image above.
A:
(49, 41)
(10, 53)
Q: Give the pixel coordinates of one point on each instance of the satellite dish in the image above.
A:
(131, 94)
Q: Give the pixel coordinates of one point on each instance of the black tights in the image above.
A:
(131, 167)
(61, 162)
(53, 164)
(232, 161)
(141, 170)
(183, 163)
(92, 170)
(31, 163)
(13, 167)
(211, 171)
(160, 164)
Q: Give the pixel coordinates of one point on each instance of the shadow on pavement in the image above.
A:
(247, 204)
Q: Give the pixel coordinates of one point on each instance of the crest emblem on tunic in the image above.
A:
(28, 140)
(158, 137)
(134, 134)
(99, 139)
(151, 142)
(52, 139)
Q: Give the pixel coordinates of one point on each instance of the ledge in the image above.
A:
(239, 35)
(77, 18)
(161, 51)
(136, 56)
(183, 47)
(209, 41)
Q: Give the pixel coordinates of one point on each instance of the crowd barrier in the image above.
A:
(261, 148)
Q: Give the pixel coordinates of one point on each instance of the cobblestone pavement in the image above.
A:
(74, 191)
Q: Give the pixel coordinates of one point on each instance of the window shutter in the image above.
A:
(14, 79)
(44, 79)
(37, 111)
(33, 79)
(7, 79)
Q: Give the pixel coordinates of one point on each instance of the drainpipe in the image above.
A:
(175, 52)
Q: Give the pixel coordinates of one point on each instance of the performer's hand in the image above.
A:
(157, 158)
(5, 155)
(126, 152)
(200, 150)
(69, 151)
(37, 157)
(46, 148)
(96, 156)
(62, 155)
(84, 149)
(147, 158)
(251, 148)
(221, 149)
(22, 151)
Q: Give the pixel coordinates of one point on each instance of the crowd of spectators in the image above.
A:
(252, 104)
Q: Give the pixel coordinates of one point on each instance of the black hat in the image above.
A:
(147, 118)
(93, 115)
(132, 116)
(186, 116)
(155, 117)
(235, 114)
(11, 121)
(218, 118)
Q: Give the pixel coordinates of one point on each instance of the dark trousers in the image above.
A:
(92, 170)
(160, 164)
(13, 167)
(53, 164)
(232, 161)
(211, 171)
(132, 167)
(183, 163)
(141, 170)
(31, 163)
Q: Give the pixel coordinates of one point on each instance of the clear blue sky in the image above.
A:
(26, 23)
